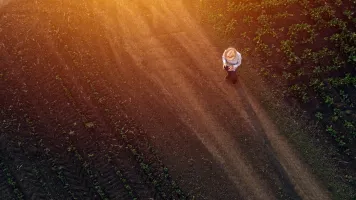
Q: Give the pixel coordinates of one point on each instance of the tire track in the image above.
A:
(305, 184)
(166, 73)
(204, 125)
(79, 96)
(242, 104)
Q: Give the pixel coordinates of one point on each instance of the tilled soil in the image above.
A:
(127, 99)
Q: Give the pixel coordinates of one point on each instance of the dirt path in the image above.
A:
(151, 61)
(160, 39)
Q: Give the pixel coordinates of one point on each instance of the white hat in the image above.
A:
(230, 55)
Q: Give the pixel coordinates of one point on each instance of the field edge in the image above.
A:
(300, 133)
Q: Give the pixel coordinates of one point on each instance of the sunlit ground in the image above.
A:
(150, 61)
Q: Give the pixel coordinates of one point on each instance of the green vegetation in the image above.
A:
(308, 50)
(311, 46)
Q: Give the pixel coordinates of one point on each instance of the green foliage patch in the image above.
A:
(309, 54)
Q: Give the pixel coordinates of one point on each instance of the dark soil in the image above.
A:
(91, 109)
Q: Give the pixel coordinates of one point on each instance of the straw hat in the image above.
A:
(231, 55)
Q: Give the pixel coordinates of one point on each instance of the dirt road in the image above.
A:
(150, 61)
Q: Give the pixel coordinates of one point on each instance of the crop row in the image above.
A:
(81, 148)
(156, 173)
(94, 125)
(47, 134)
(317, 44)
(101, 92)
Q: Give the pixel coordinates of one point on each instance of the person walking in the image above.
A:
(231, 61)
